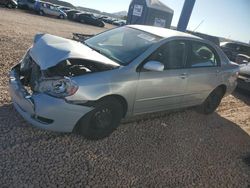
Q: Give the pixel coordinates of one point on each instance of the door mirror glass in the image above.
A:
(154, 66)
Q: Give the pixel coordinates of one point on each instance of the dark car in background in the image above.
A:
(109, 20)
(88, 19)
(71, 13)
(244, 73)
(64, 8)
(232, 49)
(26, 4)
(9, 3)
(119, 22)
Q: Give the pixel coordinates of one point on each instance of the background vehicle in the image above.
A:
(51, 10)
(9, 3)
(26, 4)
(64, 8)
(89, 87)
(244, 73)
(232, 49)
(71, 13)
(88, 19)
(109, 20)
(119, 23)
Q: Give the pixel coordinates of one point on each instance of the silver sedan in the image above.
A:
(64, 85)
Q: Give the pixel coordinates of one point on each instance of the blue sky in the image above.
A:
(226, 18)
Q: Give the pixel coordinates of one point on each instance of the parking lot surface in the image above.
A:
(178, 149)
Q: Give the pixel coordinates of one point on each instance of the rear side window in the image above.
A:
(202, 55)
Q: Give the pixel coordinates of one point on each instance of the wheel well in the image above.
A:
(223, 87)
(121, 99)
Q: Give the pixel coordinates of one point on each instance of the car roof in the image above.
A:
(163, 32)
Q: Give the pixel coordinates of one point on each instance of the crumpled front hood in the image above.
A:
(49, 50)
(245, 69)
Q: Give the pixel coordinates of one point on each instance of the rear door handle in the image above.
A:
(183, 75)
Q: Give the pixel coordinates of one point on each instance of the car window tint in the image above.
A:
(201, 56)
(172, 55)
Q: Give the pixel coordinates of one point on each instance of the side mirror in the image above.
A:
(154, 66)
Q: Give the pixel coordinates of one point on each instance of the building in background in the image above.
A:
(150, 12)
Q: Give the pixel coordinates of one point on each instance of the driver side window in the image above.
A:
(171, 54)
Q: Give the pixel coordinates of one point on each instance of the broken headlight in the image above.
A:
(59, 88)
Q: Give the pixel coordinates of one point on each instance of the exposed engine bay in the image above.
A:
(56, 80)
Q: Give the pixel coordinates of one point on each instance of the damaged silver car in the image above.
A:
(65, 85)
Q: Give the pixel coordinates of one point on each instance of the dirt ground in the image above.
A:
(181, 149)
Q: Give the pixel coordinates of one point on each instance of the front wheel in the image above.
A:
(61, 16)
(212, 102)
(102, 121)
(10, 5)
(82, 21)
(41, 13)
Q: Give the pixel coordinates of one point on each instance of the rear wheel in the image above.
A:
(82, 20)
(212, 102)
(10, 5)
(102, 121)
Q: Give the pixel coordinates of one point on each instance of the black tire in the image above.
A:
(102, 121)
(61, 16)
(10, 6)
(100, 25)
(212, 102)
(82, 21)
(41, 13)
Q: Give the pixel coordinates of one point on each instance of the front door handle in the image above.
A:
(183, 75)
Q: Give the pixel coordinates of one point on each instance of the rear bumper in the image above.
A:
(44, 111)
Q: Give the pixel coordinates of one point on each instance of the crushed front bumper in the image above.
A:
(44, 111)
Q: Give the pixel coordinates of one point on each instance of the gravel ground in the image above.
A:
(181, 149)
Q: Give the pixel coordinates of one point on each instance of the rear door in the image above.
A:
(157, 91)
(203, 72)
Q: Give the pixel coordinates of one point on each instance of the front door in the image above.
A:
(157, 91)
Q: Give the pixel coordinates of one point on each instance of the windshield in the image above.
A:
(123, 44)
